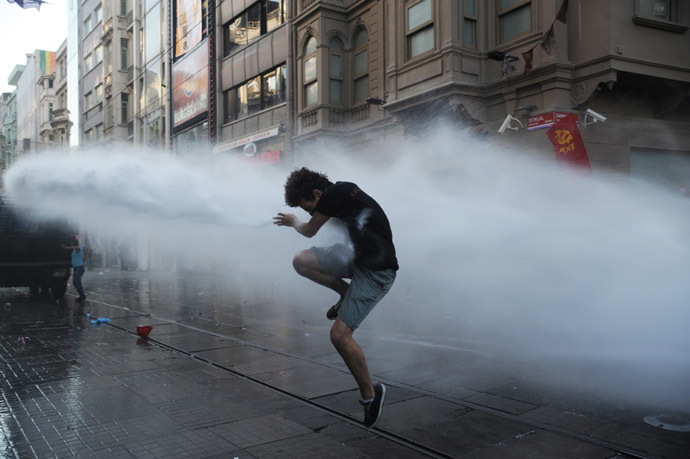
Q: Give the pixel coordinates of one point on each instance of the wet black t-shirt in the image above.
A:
(366, 222)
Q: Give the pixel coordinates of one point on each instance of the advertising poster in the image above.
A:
(190, 85)
(188, 27)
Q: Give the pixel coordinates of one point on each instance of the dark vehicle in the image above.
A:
(31, 254)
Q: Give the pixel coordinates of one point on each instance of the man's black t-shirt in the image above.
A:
(366, 222)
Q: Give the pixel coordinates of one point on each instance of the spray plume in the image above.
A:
(493, 246)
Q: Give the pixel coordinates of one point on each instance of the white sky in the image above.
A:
(23, 31)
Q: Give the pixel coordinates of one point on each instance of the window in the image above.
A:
(108, 57)
(97, 16)
(259, 93)
(88, 63)
(88, 100)
(336, 72)
(662, 14)
(87, 25)
(311, 84)
(275, 14)
(470, 24)
(152, 40)
(361, 65)
(514, 18)
(50, 83)
(98, 54)
(99, 94)
(420, 28)
(259, 19)
(658, 9)
(50, 112)
(124, 107)
(124, 53)
(123, 8)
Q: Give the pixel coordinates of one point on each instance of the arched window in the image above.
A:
(336, 71)
(361, 65)
(311, 84)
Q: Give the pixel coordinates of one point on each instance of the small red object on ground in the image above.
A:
(144, 330)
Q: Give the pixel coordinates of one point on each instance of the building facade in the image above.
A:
(60, 121)
(473, 63)
(35, 103)
(118, 70)
(292, 74)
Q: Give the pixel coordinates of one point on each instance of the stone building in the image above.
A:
(35, 103)
(467, 62)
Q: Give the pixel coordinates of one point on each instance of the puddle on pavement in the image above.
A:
(668, 422)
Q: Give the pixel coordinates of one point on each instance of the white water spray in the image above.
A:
(497, 248)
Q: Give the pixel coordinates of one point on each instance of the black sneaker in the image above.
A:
(373, 409)
(81, 299)
(332, 313)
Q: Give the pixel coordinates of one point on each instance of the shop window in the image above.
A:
(311, 84)
(259, 19)
(514, 18)
(261, 92)
(420, 28)
(361, 65)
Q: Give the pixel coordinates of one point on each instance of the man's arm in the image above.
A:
(307, 229)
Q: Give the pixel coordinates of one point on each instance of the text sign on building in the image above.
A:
(545, 120)
(190, 85)
(245, 140)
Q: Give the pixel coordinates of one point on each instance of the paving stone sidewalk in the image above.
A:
(74, 389)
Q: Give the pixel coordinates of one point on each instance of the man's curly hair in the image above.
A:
(301, 183)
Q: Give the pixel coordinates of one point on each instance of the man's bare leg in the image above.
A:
(306, 264)
(352, 354)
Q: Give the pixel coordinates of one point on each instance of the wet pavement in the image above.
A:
(229, 371)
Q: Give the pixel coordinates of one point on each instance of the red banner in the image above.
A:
(567, 142)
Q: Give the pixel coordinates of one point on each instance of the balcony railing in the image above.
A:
(360, 114)
(310, 119)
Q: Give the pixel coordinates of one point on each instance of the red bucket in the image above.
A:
(144, 330)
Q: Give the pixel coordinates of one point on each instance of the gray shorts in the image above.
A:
(366, 289)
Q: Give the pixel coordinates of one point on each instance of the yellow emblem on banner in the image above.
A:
(563, 136)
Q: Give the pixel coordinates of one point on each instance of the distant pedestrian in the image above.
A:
(370, 263)
(78, 266)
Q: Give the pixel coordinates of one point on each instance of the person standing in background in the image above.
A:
(77, 266)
